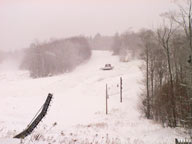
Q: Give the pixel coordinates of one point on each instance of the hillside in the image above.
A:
(78, 107)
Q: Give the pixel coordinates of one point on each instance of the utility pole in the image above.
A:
(106, 100)
(121, 87)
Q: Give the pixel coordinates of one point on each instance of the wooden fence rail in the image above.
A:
(184, 141)
(37, 119)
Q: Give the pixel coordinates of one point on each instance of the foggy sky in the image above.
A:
(24, 21)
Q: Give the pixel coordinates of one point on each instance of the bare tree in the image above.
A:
(164, 36)
(147, 37)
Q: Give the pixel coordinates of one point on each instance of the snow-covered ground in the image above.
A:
(78, 107)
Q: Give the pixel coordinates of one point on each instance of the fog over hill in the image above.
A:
(23, 22)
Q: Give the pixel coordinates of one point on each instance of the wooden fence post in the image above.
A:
(176, 141)
(106, 100)
(121, 87)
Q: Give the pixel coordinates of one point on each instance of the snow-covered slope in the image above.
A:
(78, 106)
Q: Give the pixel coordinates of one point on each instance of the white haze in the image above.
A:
(9, 65)
(23, 22)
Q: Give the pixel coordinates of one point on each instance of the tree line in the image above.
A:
(55, 57)
(127, 45)
(167, 54)
(100, 42)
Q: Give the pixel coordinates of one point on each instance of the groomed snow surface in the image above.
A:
(77, 112)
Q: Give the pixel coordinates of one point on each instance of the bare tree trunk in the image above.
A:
(190, 28)
(164, 36)
(147, 83)
(172, 85)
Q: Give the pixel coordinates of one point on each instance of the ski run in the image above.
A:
(77, 111)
